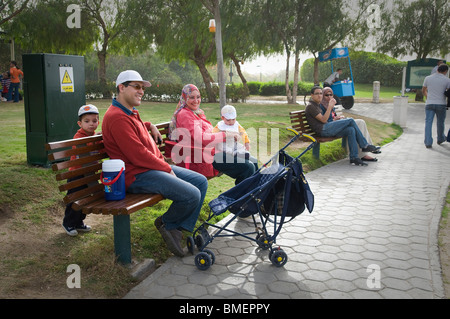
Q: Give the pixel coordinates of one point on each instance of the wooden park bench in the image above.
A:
(91, 200)
(300, 124)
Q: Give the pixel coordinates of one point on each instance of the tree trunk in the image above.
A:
(102, 74)
(296, 71)
(207, 79)
(219, 53)
(286, 80)
(316, 71)
(239, 71)
(419, 95)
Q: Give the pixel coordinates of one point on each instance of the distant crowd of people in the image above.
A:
(10, 81)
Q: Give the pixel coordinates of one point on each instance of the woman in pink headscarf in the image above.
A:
(196, 142)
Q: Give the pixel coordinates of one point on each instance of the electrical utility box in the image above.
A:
(54, 90)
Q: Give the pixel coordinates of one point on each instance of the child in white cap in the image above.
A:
(88, 120)
(230, 124)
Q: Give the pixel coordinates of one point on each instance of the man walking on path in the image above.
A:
(433, 89)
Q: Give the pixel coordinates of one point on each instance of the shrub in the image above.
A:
(273, 88)
(279, 88)
(236, 92)
(254, 88)
(96, 90)
(163, 92)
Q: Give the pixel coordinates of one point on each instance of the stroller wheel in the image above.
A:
(199, 241)
(262, 242)
(278, 258)
(190, 243)
(211, 254)
(203, 260)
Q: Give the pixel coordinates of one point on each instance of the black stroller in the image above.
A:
(277, 190)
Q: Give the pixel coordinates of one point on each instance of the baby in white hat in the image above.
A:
(230, 124)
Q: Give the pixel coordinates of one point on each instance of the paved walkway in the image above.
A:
(373, 233)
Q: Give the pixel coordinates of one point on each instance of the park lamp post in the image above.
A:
(217, 29)
(212, 25)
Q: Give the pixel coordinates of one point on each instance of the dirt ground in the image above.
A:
(28, 253)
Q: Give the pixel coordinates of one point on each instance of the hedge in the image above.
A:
(277, 88)
(163, 92)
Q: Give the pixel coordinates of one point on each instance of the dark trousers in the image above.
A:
(73, 218)
(237, 168)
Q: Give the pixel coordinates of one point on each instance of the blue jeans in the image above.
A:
(430, 111)
(15, 87)
(187, 191)
(346, 128)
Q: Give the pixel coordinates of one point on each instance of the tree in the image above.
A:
(10, 9)
(35, 30)
(347, 19)
(107, 26)
(418, 28)
(124, 27)
(305, 26)
(239, 30)
(286, 24)
(183, 35)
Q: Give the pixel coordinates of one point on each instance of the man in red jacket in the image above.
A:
(128, 138)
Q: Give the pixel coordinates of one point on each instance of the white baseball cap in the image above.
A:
(88, 109)
(229, 112)
(129, 76)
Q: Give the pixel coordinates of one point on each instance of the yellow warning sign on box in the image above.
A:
(67, 88)
(66, 79)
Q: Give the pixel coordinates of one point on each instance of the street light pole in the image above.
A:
(218, 37)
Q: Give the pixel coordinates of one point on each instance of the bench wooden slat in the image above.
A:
(94, 167)
(301, 125)
(79, 162)
(79, 204)
(70, 198)
(87, 180)
(130, 204)
(75, 151)
(73, 142)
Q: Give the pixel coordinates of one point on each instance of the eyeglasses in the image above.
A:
(328, 95)
(137, 86)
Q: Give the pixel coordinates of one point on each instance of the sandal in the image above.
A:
(357, 162)
(373, 159)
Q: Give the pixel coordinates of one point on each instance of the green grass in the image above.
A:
(32, 205)
(365, 91)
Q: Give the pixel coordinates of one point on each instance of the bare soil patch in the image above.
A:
(32, 255)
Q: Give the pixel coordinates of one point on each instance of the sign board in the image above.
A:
(336, 53)
(418, 70)
(66, 79)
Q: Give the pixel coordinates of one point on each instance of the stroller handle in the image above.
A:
(297, 135)
(305, 135)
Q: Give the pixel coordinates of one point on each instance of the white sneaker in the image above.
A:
(83, 228)
(71, 231)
